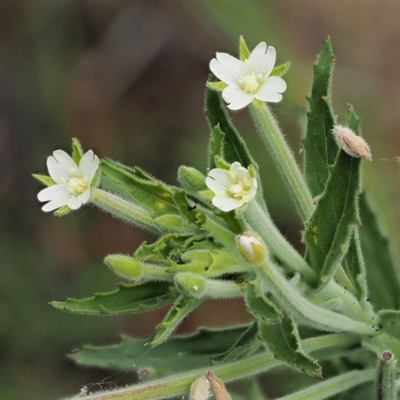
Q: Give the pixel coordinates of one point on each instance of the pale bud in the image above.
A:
(200, 389)
(352, 144)
(251, 248)
(218, 388)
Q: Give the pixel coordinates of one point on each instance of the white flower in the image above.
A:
(232, 188)
(73, 182)
(249, 79)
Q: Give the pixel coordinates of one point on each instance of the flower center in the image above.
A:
(76, 186)
(251, 83)
(240, 189)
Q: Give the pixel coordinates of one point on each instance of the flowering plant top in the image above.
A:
(250, 78)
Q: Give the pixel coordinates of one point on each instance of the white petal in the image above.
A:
(226, 203)
(57, 195)
(75, 202)
(226, 68)
(262, 60)
(271, 89)
(253, 191)
(54, 192)
(218, 180)
(236, 98)
(60, 165)
(85, 196)
(88, 165)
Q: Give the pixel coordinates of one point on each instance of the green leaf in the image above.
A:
(167, 250)
(63, 210)
(217, 86)
(77, 151)
(189, 210)
(234, 147)
(320, 148)
(279, 332)
(282, 340)
(382, 274)
(282, 69)
(45, 179)
(126, 299)
(150, 194)
(182, 307)
(354, 268)
(191, 179)
(258, 305)
(180, 353)
(328, 231)
(244, 51)
(246, 345)
(216, 145)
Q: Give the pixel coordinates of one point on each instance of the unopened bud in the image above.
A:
(191, 284)
(124, 266)
(191, 178)
(200, 389)
(251, 248)
(352, 144)
(218, 388)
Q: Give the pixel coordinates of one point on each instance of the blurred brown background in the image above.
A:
(127, 78)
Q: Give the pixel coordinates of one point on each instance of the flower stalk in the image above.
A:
(179, 384)
(284, 159)
(303, 309)
(123, 209)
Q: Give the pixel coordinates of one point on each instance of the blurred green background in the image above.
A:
(127, 78)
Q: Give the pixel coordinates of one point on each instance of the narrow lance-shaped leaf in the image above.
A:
(382, 275)
(234, 147)
(328, 231)
(354, 267)
(320, 148)
(180, 353)
(246, 345)
(278, 332)
(182, 307)
(151, 194)
(125, 300)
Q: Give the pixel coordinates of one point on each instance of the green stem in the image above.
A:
(179, 385)
(306, 311)
(260, 222)
(123, 209)
(284, 159)
(332, 386)
(385, 377)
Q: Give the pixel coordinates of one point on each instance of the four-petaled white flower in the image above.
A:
(233, 188)
(73, 182)
(249, 79)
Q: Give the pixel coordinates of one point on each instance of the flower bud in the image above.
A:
(191, 284)
(124, 266)
(352, 144)
(218, 388)
(191, 178)
(251, 248)
(200, 389)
